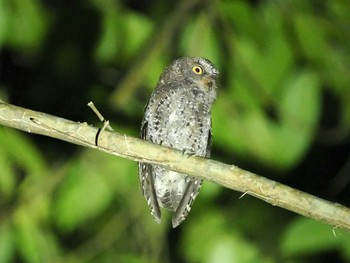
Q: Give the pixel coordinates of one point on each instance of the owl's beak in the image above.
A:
(208, 83)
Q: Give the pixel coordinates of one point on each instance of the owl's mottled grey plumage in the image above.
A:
(178, 115)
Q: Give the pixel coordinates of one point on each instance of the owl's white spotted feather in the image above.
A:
(178, 115)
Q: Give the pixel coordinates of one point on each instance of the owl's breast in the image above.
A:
(180, 120)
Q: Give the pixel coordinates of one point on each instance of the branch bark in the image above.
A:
(229, 176)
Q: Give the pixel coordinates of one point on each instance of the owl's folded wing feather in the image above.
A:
(146, 182)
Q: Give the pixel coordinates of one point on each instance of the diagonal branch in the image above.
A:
(229, 176)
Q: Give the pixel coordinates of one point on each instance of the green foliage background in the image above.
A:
(283, 112)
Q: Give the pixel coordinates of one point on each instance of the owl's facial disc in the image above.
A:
(201, 75)
(204, 74)
(208, 67)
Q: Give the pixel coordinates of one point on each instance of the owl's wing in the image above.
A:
(187, 200)
(147, 183)
(210, 136)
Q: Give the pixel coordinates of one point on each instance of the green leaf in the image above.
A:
(22, 151)
(28, 24)
(110, 42)
(4, 21)
(27, 235)
(253, 134)
(300, 107)
(264, 66)
(138, 29)
(242, 16)
(199, 39)
(82, 196)
(7, 176)
(218, 243)
(6, 243)
(305, 237)
(123, 33)
(344, 242)
(33, 243)
(311, 35)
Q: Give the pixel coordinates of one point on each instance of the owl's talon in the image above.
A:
(188, 153)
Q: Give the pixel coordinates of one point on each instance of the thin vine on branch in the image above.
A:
(135, 149)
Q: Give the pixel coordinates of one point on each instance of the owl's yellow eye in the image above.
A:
(198, 70)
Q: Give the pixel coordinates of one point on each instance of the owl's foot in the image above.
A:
(188, 153)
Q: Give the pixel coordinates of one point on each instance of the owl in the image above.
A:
(178, 115)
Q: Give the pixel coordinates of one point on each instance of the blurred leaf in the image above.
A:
(218, 243)
(4, 19)
(311, 35)
(7, 176)
(261, 81)
(334, 70)
(110, 42)
(33, 243)
(138, 29)
(300, 112)
(253, 133)
(305, 236)
(264, 64)
(210, 190)
(19, 154)
(223, 251)
(199, 39)
(242, 17)
(27, 237)
(6, 243)
(124, 33)
(28, 24)
(82, 196)
(151, 73)
(346, 111)
(22, 151)
(344, 242)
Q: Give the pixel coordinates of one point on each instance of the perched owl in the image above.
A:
(178, 115)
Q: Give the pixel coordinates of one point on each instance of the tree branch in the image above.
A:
(229, 176)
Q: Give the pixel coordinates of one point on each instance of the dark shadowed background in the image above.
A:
(283, 112)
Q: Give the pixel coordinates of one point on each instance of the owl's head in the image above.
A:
(191, 70)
